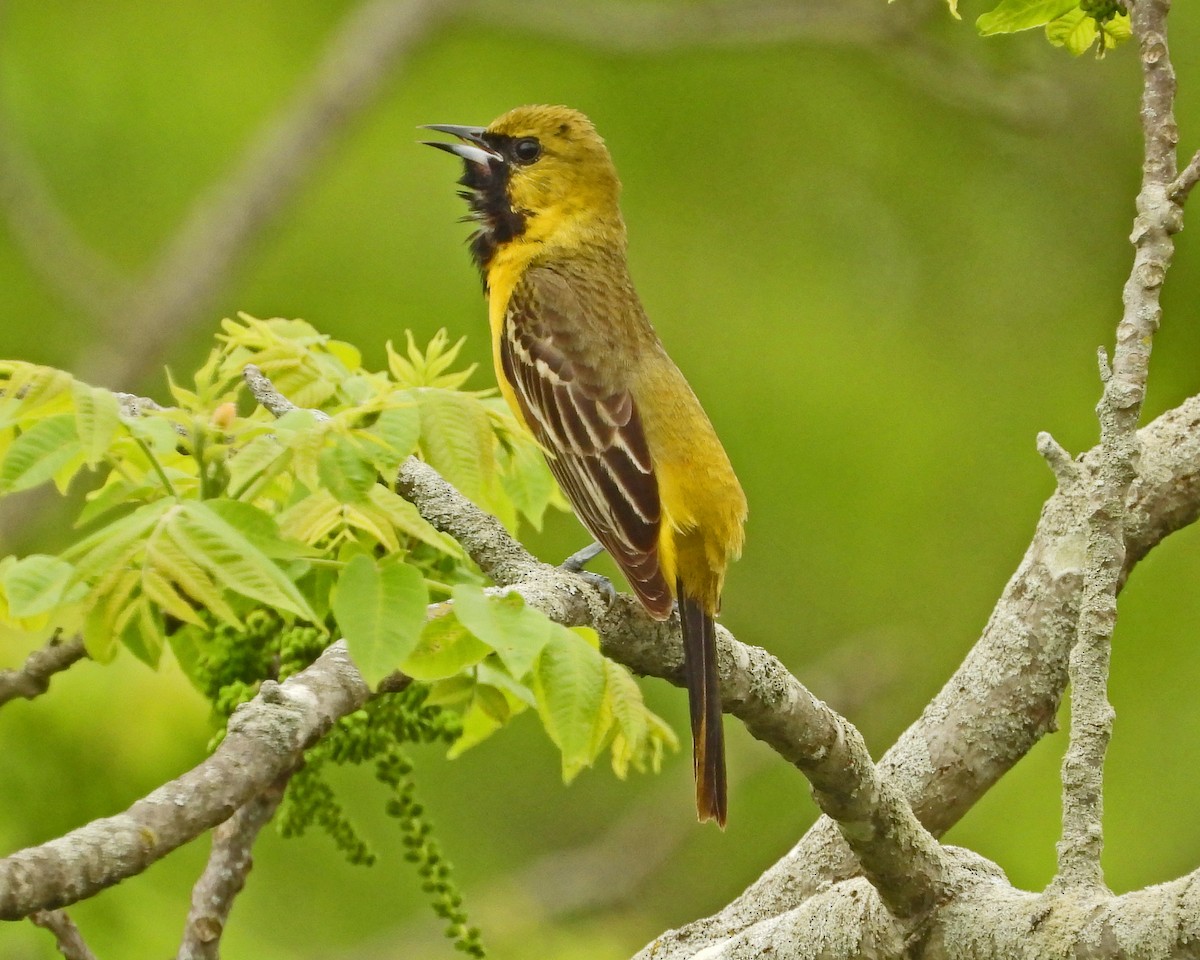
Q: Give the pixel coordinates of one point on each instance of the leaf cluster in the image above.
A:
(208, 520)
(1074, 25)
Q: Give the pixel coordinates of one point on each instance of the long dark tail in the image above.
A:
(704, 698)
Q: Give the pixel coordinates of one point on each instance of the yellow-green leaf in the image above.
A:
(38, 583)
(516, 632)
(1012, 16)
(380, 609)
(445, 648)
(97, 418)
(36, 455)
(569, 682)
(233, 560)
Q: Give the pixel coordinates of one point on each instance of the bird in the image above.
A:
(580, 365)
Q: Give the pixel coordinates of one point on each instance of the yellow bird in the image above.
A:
(581, 367)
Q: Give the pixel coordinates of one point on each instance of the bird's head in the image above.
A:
(536, 175)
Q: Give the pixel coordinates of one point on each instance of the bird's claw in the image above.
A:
(579, 559)
(598, 582)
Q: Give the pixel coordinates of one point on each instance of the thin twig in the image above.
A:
(32, 679)
(1182, 185)
(69, 940)
(225, 873)
(1119, 409)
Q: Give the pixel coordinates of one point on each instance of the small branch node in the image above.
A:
(1104, 365)
(1065, 470)
(1182, 185)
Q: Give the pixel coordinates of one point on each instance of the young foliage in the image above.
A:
(1075, 25)
(204, 516)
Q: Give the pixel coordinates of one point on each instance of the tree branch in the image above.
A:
(32, 679)
(69, 939)
(1005, 695)
(1119, 410)
(225, 873)
(265, 739)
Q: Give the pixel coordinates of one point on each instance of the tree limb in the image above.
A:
(32, 679)
(265, 740)
(1119, 410)
(1005, 695)
(225, 873)
(69, 940)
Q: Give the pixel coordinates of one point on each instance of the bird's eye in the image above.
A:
(527, 150)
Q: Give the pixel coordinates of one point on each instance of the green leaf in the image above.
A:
(98, 417)
(457, 440)
(36, 455)
(1012, 16)
(451, 692)
(399, 428)
(141, 631)
(505, 624)
(38, 583)
(629, 712)
(161, 591)
(260, 457)
(156, 429)
(486, 714)
(259, 528)
(313, 518)
(380, 608)
(1075, 31)
(569, 682)
(27, 387)
(408, 520)
(99, 552)
(1078, 32)
(445, 648)
(233, 560)
(345, 472)
(528, 482)
(111, 608)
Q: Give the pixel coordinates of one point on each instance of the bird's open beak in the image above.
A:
(473, 147)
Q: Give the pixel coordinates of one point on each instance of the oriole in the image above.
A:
(581, 367)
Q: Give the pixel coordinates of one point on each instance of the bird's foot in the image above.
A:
(579, 559)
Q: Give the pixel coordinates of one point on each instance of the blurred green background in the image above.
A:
(884, 251)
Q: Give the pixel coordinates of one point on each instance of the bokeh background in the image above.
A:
(883, 249)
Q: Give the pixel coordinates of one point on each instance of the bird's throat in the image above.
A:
(496, 222)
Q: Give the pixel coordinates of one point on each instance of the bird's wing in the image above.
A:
(588, 421)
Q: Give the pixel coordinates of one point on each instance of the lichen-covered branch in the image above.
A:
(1005, 695)
(265, 739)
(1120, 407)
(67, 937)
(32, 678)
(225, 873)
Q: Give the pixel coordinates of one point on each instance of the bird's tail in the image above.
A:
(704, 698)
